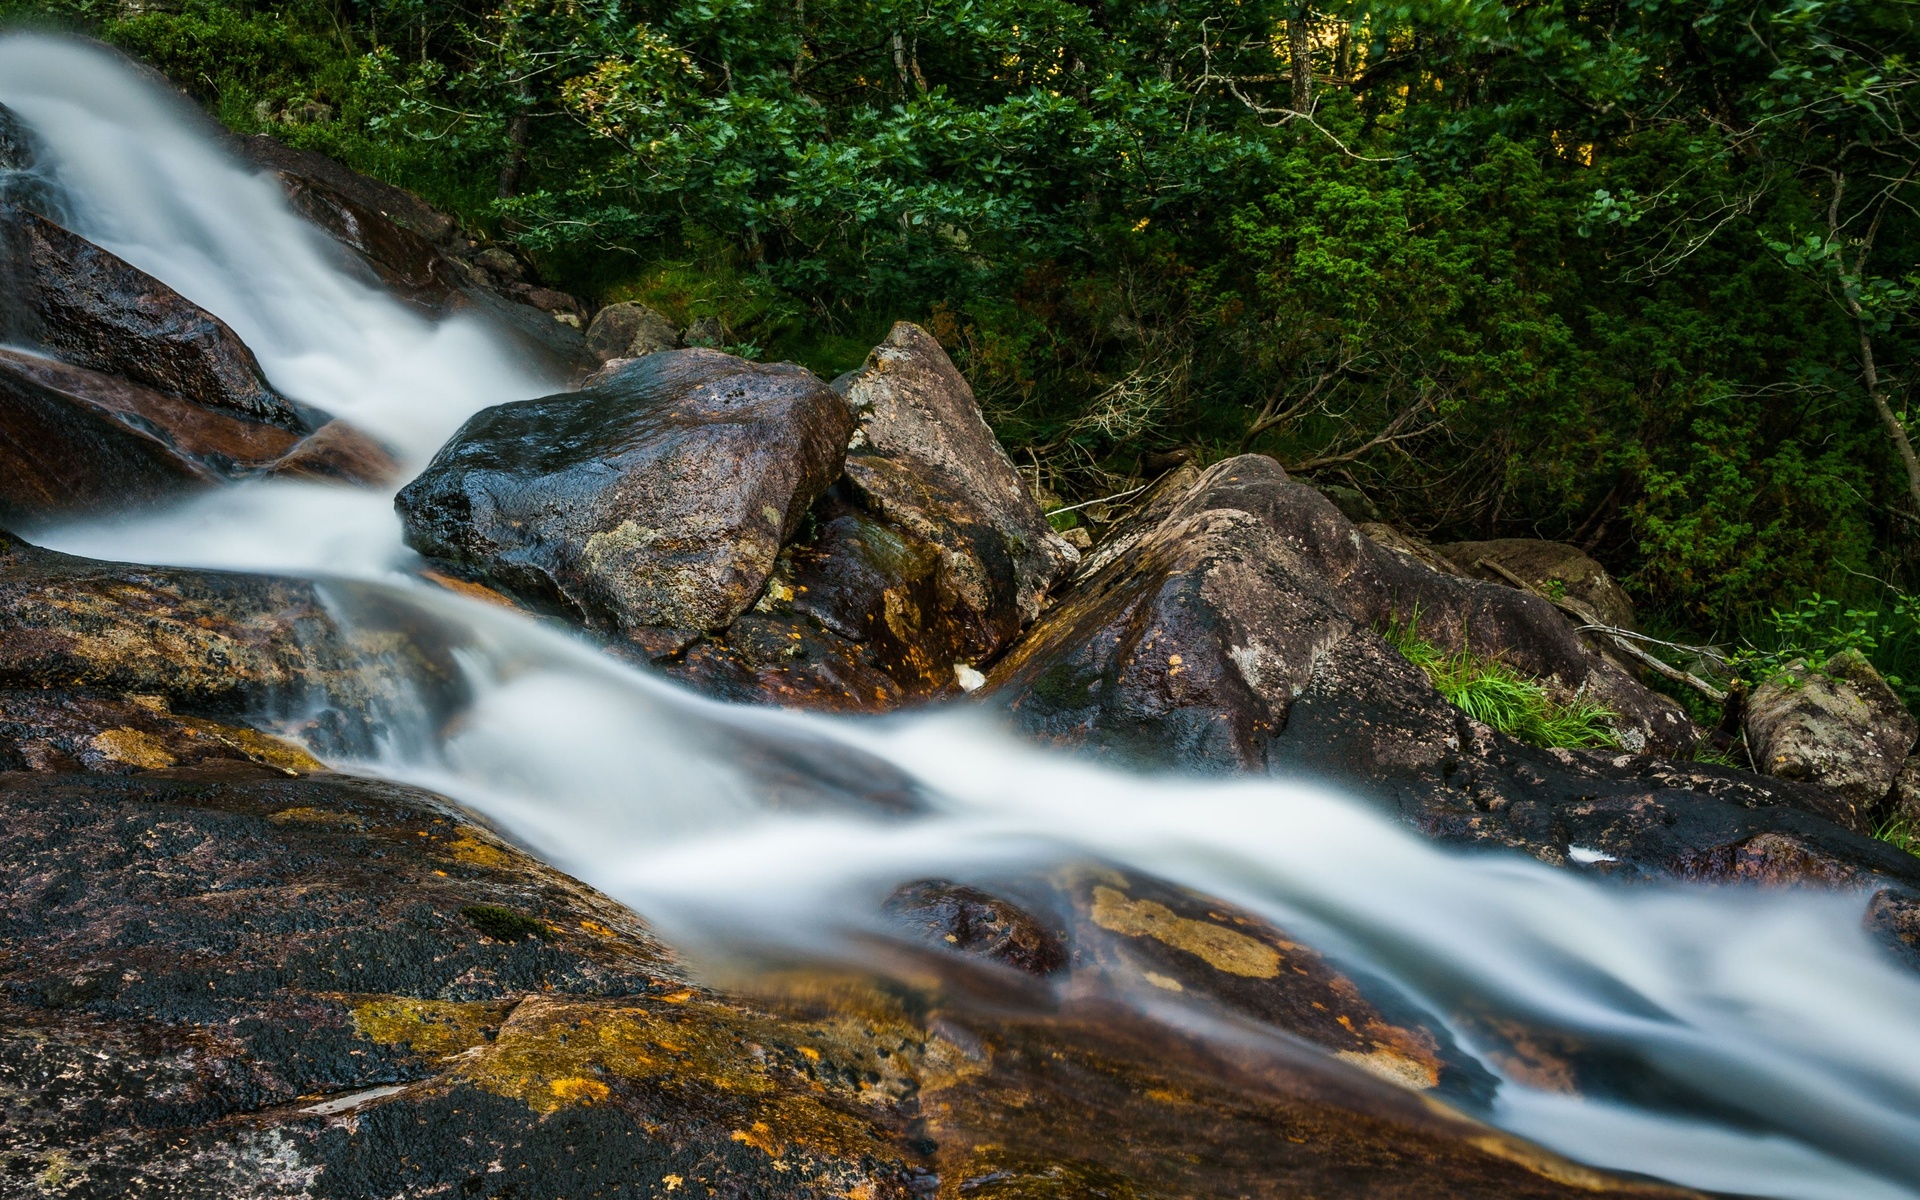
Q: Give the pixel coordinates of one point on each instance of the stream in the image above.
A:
(1778, 1047)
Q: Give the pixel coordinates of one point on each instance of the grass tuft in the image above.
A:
(1490, 691)
(1900, 831)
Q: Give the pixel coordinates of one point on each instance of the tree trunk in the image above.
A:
(519, 133)
(1300, 54)
(1896, 428)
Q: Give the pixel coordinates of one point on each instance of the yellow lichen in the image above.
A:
(471, 850)
(134, 748)
(306, 815)
(1221, 948)
(430, 1027)
(576, 1089)
(261, 748)
(1394, 1067)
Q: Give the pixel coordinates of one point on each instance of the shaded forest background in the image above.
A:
(1639, 276)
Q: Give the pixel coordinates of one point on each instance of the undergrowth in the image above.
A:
(1490, 691)
(1900, 831)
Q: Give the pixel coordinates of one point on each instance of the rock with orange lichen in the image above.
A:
(219, 981)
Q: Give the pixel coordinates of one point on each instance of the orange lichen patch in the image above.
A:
(469, 589)
(134, 748)
(1222, 948)
(578, 1090)
(473, 851)
(261, 748)
(306, 815)
(597, 929)
(432, 1028)
(1395, 1067)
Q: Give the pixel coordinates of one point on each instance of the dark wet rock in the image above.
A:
(90, 308)
(393, 204)
(77, 441)
(971, 921)
(630, 330)
(1904, 806)
(651, 506)
(216, 644)
(1894, 917)
(219, 982)
(924, 460)
(342, 454)
(23, 178)
(791, 661)
(1242, 632)
(61, 729)
(1553, 569)
(1840, 726)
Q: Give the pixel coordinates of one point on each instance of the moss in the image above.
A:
(503, 924)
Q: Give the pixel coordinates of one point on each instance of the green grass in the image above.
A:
(1900, 831)
(1489, 690)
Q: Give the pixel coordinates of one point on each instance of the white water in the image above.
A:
(1775, 1007)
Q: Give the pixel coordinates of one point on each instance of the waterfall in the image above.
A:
(1785, 1043)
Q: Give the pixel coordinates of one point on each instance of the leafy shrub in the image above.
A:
(1819, 627)
(1492, 692)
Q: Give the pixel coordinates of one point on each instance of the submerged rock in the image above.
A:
(94, 310)
(651, 506)
(1840, 727)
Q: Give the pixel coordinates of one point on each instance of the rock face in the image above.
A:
(276, 987)
(91, 309)
(1840, 727)
(1551, 568)
(1236, 628)
(651, 505)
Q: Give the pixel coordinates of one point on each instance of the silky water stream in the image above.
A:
(1792, 1037)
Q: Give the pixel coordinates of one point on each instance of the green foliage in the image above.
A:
(1489, 691)
(1598, 273)
(504, 924)
(1899, 831)
(1819, 627)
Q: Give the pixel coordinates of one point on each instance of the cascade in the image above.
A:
(1778, 1048)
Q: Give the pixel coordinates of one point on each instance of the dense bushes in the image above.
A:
(1606, 272)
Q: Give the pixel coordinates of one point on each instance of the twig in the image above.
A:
(1102, 500)
(1619, 637)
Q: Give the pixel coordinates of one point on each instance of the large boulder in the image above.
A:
(924, 460)
(651, 505)
(928, 557)
(1553, 569)
(1840, 726)
(1249, 609)
(92, 309)
(274, 987)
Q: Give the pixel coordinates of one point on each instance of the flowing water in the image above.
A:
(1794, 1040)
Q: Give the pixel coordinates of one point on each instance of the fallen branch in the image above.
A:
(1621, 638)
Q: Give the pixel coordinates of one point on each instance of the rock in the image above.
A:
(341, 453)
(629, 330)
(212, 644)
(91, 309)
(1351, 501)
(1906, 794)
(498, 262)
(392, 204)
(23, 182)
(969, 921)
(650, 506)
(707, 331)
(272, 987)
(1553, 569)
(1240, 632)
(928, 557)
(1417, 549)
(1840, 727)
(76, 441)
(80, 730)
(924, 460)
(408, 263)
